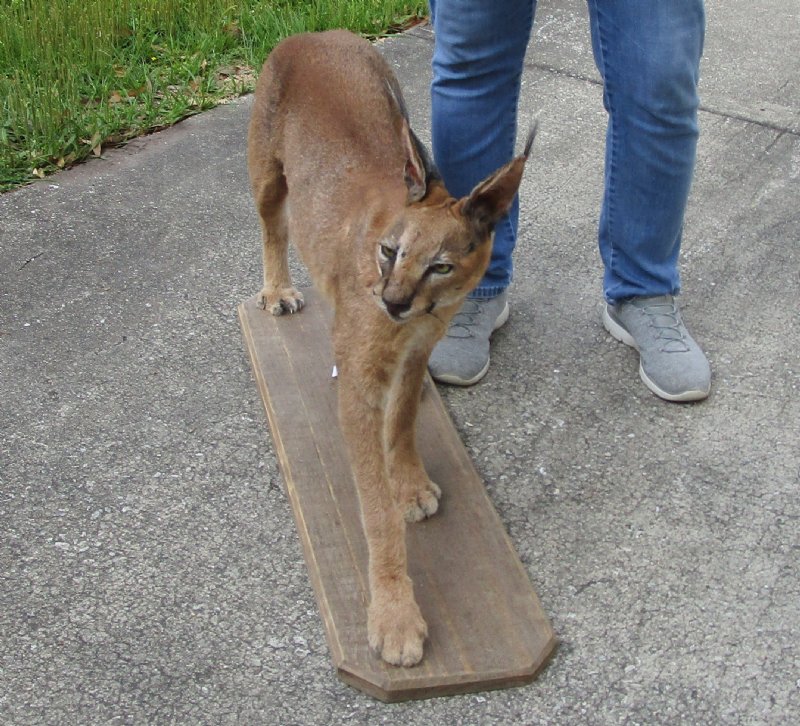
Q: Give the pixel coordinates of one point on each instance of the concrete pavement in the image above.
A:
(151, 572)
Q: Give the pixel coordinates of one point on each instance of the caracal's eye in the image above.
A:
(442, 268)
(388, 252)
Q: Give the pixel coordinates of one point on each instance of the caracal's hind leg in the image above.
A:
(278, 295)
(416, 494)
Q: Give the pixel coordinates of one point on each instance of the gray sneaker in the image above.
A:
(461, 358)
(671, 364)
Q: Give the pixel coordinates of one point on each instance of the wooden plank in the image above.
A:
(486, 627)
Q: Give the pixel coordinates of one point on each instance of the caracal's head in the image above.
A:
(429, 260)
(438, 248)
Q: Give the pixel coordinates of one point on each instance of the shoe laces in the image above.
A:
(665, 319)
(463, 321)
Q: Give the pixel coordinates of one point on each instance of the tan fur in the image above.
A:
(334, 167)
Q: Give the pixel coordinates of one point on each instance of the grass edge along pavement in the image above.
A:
(78, 77)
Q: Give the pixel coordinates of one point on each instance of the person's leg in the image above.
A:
(648, 53)
(477, 66)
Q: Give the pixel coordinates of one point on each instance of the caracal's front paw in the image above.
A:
(421, 499)
(396, 631)
(281, 300)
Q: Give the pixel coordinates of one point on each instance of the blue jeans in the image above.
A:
(648, 54)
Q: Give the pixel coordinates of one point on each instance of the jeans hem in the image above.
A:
(487, 293)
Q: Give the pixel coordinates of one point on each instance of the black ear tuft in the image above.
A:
(530, 139)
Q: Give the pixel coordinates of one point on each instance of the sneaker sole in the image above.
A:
(623, 336)
(453, 380)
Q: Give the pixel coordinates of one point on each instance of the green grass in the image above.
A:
(79, 75)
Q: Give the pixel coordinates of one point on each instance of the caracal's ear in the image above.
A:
(414, 173)
(419, 169)
(493, 197)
